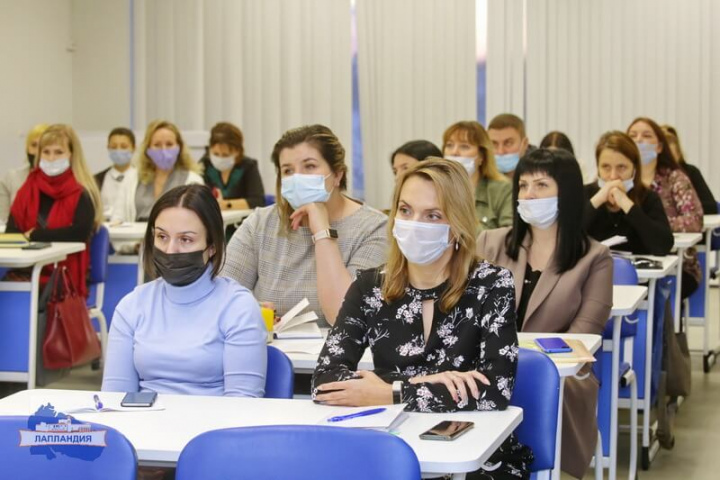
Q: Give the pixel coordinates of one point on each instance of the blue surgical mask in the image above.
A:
(300, 189)
(648, 152)
(120, 157)
(507, 163)
(467, 162)
(421, 243)
(539, 212)
(53, 169)
(628, 184)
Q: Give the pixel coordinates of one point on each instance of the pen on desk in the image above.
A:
(98, 403)
(364, 413)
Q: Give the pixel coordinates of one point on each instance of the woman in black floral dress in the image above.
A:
(440, 323)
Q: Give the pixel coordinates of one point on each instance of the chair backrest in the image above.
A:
(300, 452)
(269, 199)
(114, 461)
(624, 272)
(280, 378)
(99, 253)
(715, 240)
(537, 392)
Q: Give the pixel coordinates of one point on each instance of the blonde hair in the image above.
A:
(474, 133)
(34, 134)
(454, 192)
(59, 134)
(146, 167)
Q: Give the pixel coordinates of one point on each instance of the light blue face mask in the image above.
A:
(300, 189)
(648, 152)
(120, 157)
(507, 163)
(628, 184)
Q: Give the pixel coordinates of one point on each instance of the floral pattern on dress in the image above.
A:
(683, 209)
(477, 334)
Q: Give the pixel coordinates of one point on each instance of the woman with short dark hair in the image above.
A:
(410, 153)
(189, 331)
(563, 278)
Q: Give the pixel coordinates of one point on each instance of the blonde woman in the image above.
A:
(312, 242)
(440, 322)
(13, 179)
(59, 201)
(164, 163)
(469, 144)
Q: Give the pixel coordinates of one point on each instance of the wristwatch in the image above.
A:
(327, 233)
(397, 392)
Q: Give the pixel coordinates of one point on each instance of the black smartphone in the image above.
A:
(139, 399)
(323, 393)
(447, 430)
(36, 246)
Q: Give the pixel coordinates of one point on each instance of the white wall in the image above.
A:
(593, 66)
(36, 79)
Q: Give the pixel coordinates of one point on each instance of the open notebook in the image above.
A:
(388, 420)
(296, 325)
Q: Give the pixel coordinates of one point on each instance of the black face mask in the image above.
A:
(31, 159)
(179, 269)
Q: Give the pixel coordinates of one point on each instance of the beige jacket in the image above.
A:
(577, 301)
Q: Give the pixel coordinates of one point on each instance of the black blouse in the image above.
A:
(531, 280)
(478, 334)
(80, 230)
(645, 225)
(244, 181)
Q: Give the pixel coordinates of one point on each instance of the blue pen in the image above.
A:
(98, 403)
(364, 413)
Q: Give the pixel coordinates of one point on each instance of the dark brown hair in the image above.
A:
(226, 133)
(621, 143)
(199, 199)
(556, 139)
(125, 132)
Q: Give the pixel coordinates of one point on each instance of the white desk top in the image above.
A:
(135, 231)
(686, 240)
(58, 251)
(160, 436)
(304, 353)
(669, 262)
(627, 299)
(711, 222)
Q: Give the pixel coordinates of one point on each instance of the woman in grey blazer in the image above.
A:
(563, 279)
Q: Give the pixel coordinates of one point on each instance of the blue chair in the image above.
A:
(269, 199)
(116, 461)
(280, 378)
(537, 392)
(99, 253)
(300, 452)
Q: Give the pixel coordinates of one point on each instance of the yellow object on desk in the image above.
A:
(13, 240)
(268, 315)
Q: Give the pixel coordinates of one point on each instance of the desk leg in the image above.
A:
(647, 398)
(32, 342)
(614, 387)
(558, 433)
(678, 288)
(458, 476)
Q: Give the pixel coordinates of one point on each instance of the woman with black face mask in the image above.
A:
(189, 331)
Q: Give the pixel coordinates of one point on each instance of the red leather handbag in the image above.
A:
(70, 339)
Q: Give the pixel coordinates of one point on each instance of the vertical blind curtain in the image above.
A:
(416, 74)
(265, 65)
(593, 66)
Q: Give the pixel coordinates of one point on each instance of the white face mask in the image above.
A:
(300, 189)
(53, 169)
(628, 184)
(539, 212)
(421, 243)
(467, 162)
(222, 163)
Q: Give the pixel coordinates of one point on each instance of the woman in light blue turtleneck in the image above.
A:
(189, 331)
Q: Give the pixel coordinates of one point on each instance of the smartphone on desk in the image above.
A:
(36, 246)
(139, 399)
(447, 430)
(553, 345)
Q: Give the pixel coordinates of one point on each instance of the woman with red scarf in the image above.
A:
(59, 201)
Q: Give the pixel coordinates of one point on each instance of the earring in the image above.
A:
(457, 246)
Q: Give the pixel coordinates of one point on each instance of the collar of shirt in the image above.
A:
(197, 290)
(117, 175)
